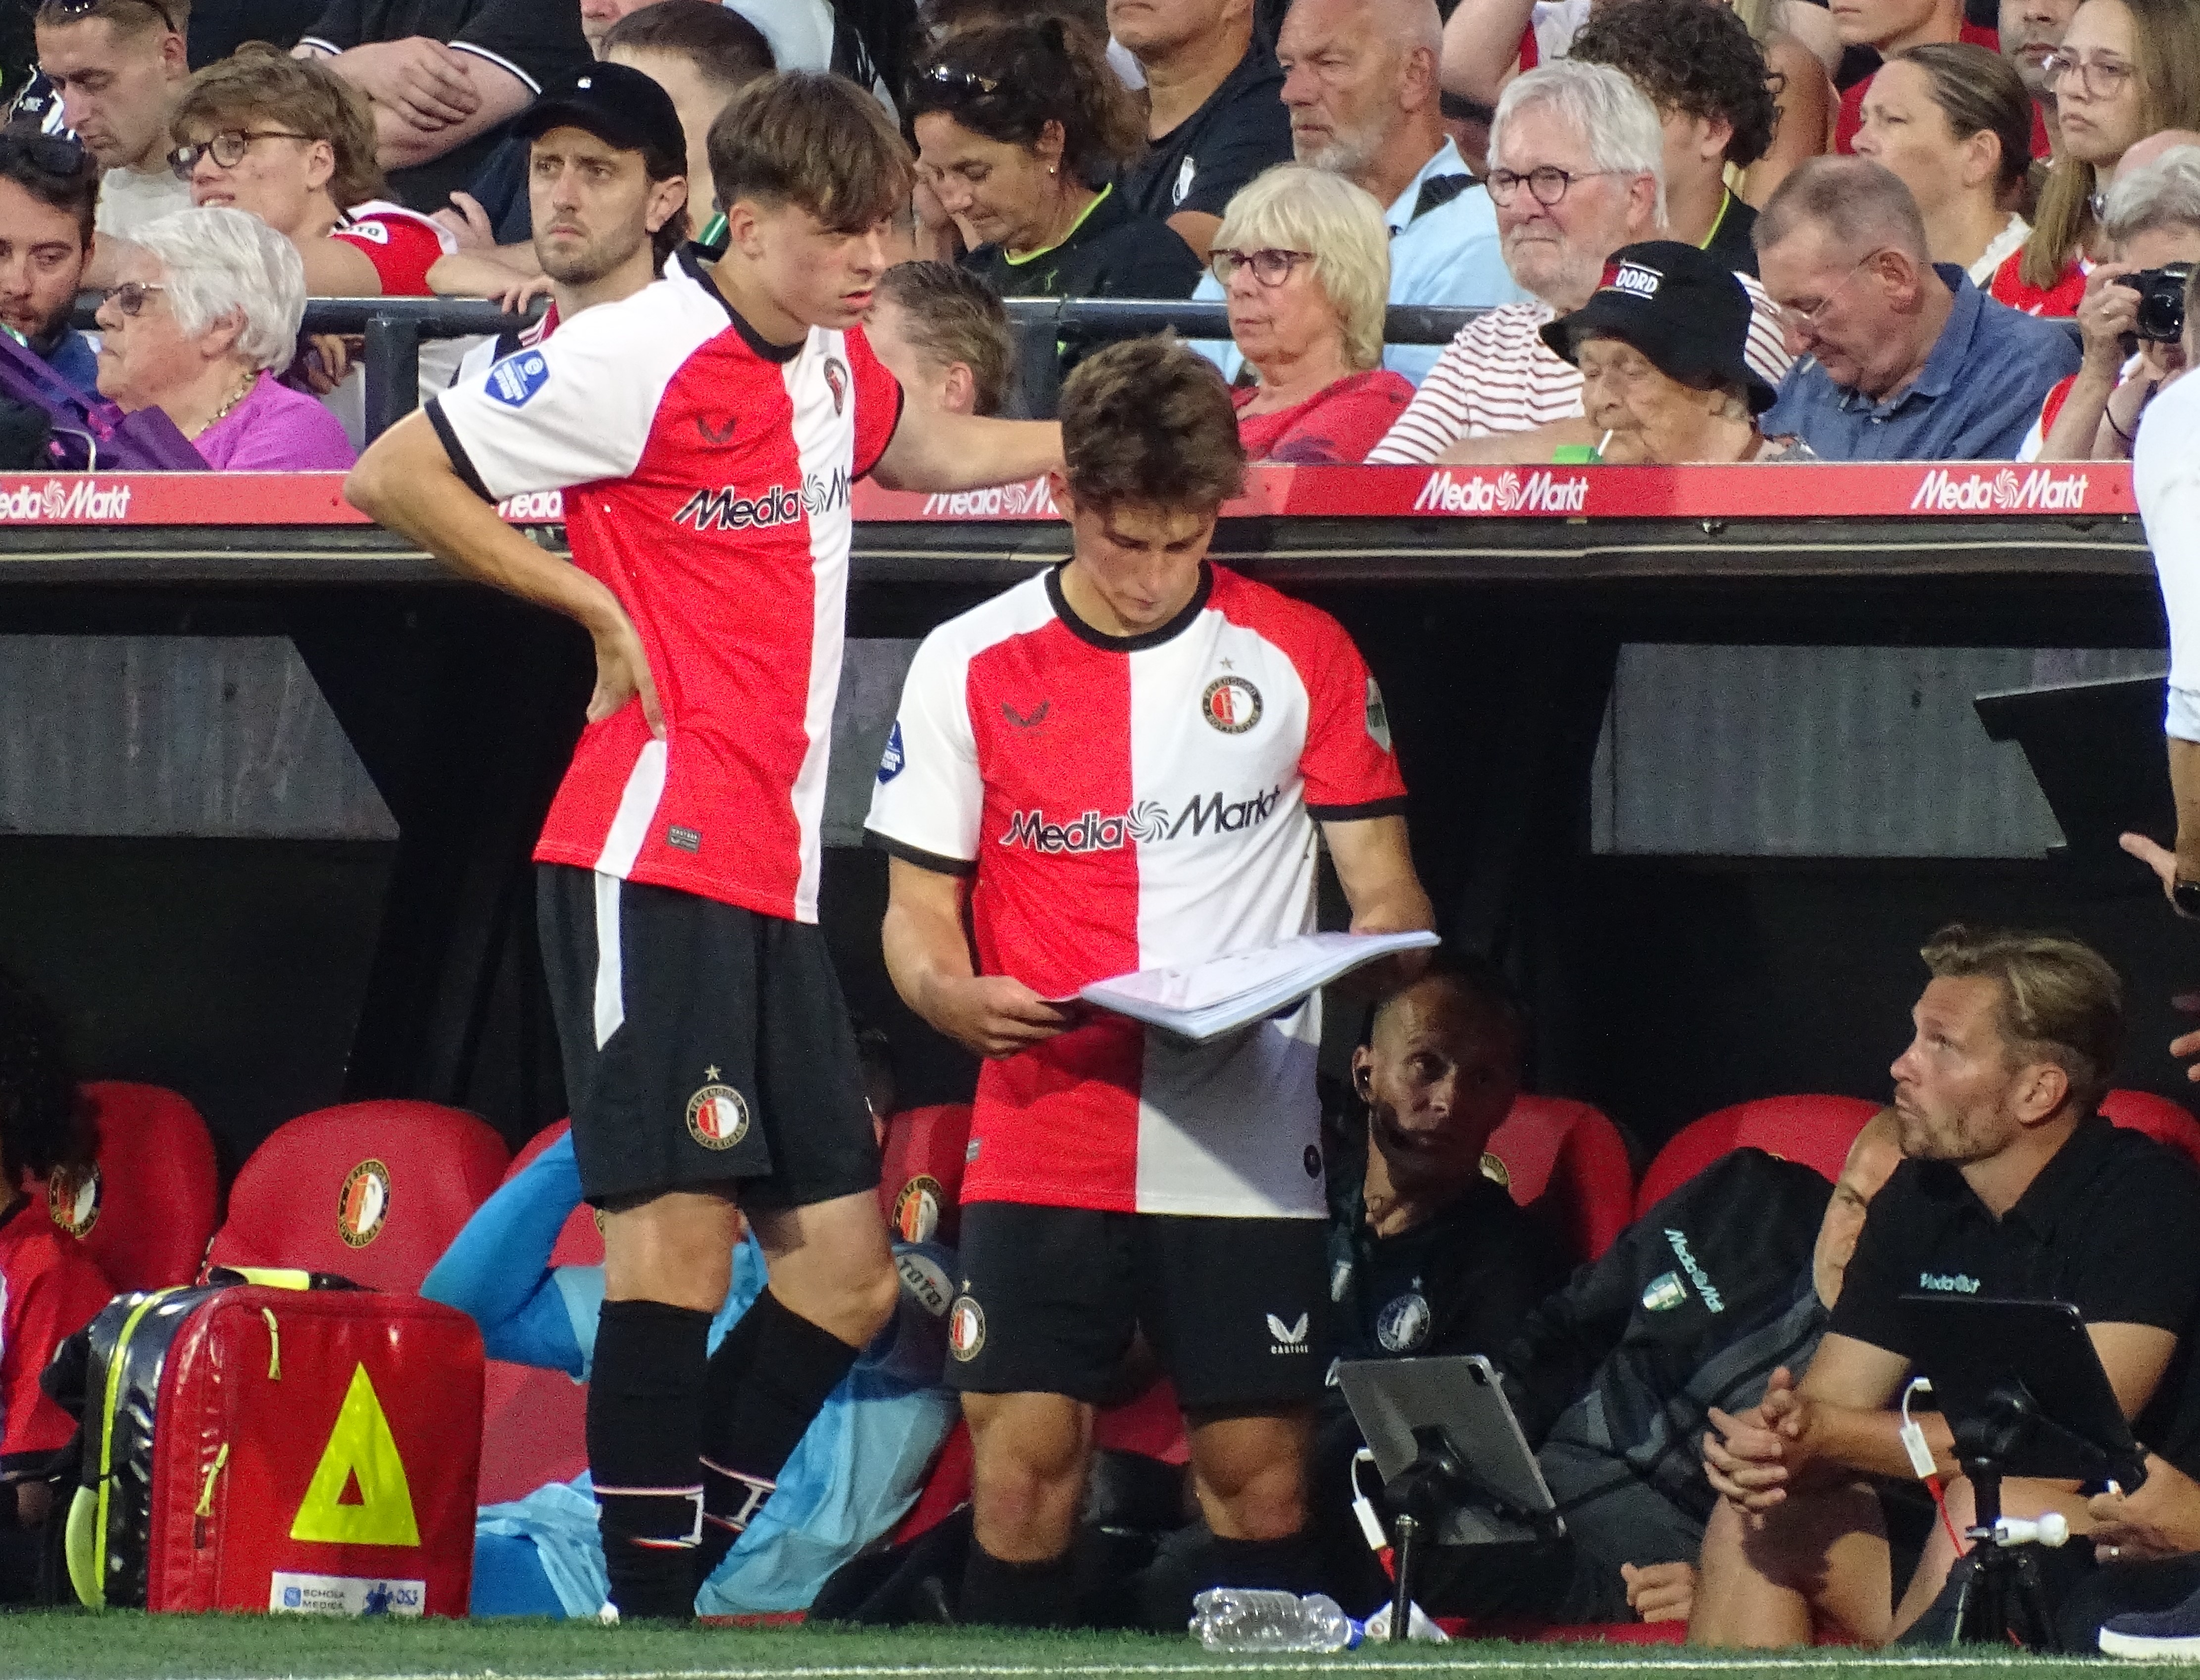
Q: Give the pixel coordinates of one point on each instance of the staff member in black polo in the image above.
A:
(2013, 1186)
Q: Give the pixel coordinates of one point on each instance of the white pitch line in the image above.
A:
(1345, 1661)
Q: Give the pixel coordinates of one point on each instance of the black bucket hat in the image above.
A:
(1681, 308)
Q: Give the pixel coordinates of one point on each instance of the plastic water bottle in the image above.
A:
(1245, 1618)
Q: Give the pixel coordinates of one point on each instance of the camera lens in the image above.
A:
(2161, 313)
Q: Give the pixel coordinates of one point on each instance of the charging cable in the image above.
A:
(1921, 1461)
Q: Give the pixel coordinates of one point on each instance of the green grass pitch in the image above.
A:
(121, 1645)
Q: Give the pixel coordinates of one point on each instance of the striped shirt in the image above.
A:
(1498, 376)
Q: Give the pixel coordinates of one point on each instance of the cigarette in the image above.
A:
(1602, 440)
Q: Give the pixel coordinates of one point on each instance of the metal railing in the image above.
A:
(394, 329)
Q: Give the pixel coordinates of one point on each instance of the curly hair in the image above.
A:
(1007, 81)
(1691, 55)
(44, 1123)
(1149, 422)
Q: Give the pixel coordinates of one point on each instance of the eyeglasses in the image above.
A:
(54, 154)
(129, 297)
(68, 11)
(969, 83)
(1548, 183)
(1798, 323)
(2101, 78)
(227, 148)
(1270, 267)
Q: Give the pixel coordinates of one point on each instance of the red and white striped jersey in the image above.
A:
(1127, 802)
(707, 475)
(1497, 375)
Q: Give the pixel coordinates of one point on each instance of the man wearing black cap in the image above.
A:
(607, 184)
(1661, 346)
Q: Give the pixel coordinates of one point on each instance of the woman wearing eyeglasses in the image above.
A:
(1019, 129)
(2125, 69)
(209, 307)
(1303, 259)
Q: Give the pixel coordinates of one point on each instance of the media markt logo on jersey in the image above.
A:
(79, 499)
(1148, 823)
(2041, 490)
(1448, 491)
(728, 509)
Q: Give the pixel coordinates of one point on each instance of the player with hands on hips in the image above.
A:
(707, 432)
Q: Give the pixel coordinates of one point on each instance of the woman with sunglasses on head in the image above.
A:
(207, 310)
(2125, 69)
(1303, 259)
(1019, 129)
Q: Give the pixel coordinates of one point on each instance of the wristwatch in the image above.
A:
(2185, 896)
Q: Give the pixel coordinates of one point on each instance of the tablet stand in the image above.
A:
(2002, 1603)
(1438, 1482)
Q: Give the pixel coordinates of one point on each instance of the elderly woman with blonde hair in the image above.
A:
(207, 308)
(1304, 261)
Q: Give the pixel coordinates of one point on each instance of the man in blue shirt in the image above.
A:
(1899, 358)
(48, 186)
(1360, 81)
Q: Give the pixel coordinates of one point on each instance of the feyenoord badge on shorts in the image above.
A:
(966, 1328)
(717, 1115)
(363, 1203)
(916, 1209)
(1231, 704)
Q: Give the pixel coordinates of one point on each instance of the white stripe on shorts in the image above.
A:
(610, 977)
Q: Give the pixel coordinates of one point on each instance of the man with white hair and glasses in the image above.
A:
(1576, 170)
(1360, 83)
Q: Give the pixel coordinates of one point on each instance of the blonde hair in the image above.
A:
(1297, 207)
(2060, 1001)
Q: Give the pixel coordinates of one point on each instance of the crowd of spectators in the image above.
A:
(1083, 150)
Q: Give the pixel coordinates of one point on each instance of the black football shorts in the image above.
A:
(705, 1047)
(1236, 1310)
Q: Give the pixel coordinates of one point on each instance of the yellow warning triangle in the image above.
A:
(361, 1454)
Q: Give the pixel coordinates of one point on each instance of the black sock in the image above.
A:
(1189, 1564)
(996, 1594)
(760, 1395)
(645, 1408)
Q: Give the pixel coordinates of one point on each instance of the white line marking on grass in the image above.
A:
(1613, 1657)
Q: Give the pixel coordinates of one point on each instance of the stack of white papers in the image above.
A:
(1203, 1001)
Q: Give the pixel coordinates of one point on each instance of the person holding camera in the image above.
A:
(2132, 320)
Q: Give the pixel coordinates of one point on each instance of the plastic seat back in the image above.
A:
(144, 1209)
(534, 1422)
(373, 1191)
(1570, 1157)
(1816, 1131)
(2161, 1120)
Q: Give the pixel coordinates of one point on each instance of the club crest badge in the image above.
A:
(363, 1204)
(836, 381)
(1496, 1170)
(1230, 705)
(1664, 1292)
(966, 1328)
(717, 1115)
(916, 1209)
(1403, 1324)
(72, 1199)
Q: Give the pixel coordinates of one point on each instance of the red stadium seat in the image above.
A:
(1555, 1148)
(534, 1422)
(2161, 1120)
(921, 1179)
(1816, 1131)
(145, 1210)
(372, 1191)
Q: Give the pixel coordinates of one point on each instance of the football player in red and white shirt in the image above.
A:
(706, 433)
(1122, 764)
(289, 140)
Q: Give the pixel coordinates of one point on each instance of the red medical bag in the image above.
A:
(252, 1448)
